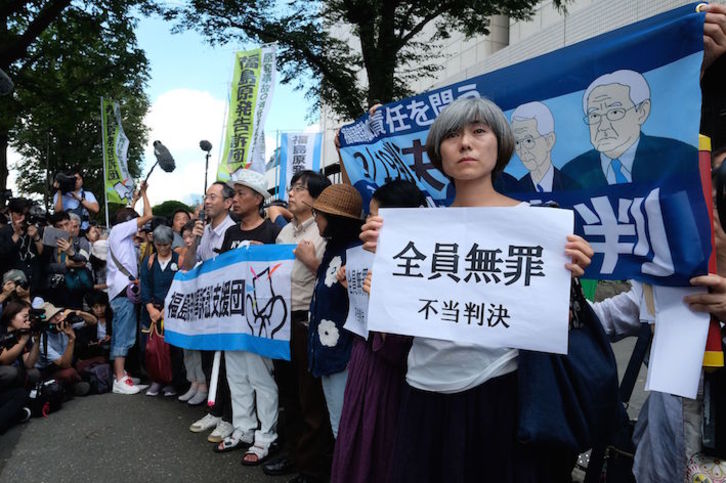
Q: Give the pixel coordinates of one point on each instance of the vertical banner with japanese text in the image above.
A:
(239, 300)
(607, 127)
(495, 277)
(298, 152)
(119, 186)
(253, 82)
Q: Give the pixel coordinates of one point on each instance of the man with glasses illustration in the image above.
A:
(616, 106)
(534, 137)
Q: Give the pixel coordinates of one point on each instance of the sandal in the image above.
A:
(236, 441)
(259, 453)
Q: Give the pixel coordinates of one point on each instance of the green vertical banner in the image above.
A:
(253, 82)
(118, 182)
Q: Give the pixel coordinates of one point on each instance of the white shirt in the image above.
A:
(121, 244)
(212, 239)
(451, 367)
(303, 279)
(626, 160)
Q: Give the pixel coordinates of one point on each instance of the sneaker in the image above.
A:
(81, 388)
(135, 380)
(168, 391)
(125, 386)
(188, 395)
(25, 415)
(154, 389)
(207, 422)
(199, 398)
(222, 430)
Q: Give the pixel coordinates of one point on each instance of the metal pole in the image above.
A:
(103, 144)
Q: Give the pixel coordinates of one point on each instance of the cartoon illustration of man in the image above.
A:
(534, 138)
(616, 106)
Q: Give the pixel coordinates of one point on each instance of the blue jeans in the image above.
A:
(123, 336)
(334, 390)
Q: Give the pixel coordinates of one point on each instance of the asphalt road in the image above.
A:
(118, 438)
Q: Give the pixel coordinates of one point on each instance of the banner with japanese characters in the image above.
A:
(239, 300)
(490, 276)
(608, 127)
(298, 152)
(119, 184)
(358, 263)
(253, 81)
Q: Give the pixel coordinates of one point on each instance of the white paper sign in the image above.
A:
(491, 276)
(679, 341)
(357, 264)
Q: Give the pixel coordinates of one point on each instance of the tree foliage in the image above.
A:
(391, 42)
(168, 207)
(63, 56)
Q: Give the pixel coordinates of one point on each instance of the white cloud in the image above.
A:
(181, 118)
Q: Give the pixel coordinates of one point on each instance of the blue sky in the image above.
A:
(189, 91)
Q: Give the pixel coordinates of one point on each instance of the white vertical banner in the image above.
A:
(298, 152)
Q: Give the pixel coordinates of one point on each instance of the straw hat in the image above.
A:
(50, 310)
(341, 200)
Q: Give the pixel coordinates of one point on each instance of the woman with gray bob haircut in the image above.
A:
(163, 235)
(157, 273)
(463, 112)
(467, 394)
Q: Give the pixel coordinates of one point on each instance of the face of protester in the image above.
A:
(64, 225)
(163, 249)
(299, 200)
(321, 221)
(99, 310)
(214, 202)
(180, 219)
(245, 201)
(188, 238)
(17, 217)
(469, 153)
(532, 147)
(75, 228)
(79, 181)
(21, 321)
(614, 120)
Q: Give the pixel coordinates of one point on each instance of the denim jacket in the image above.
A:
(329, 344)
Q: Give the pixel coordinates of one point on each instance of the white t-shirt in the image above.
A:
(451, 367)
(121, 244)
(70, 203)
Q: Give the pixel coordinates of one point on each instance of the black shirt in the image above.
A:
(265, 233)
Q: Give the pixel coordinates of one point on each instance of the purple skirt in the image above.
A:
(368, 424)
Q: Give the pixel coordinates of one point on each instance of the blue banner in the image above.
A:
(298, 152)
(239, 300)
(607, 127)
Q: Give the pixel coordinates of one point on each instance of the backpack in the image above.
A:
(99, 377)
(47, 397)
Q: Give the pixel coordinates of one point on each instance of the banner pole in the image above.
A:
(103, 144)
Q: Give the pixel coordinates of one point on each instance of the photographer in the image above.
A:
(70, 196)
(57, 361)
(20, 241)
(19, 348)
(15, 287)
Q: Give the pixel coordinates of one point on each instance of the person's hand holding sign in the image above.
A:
(581, 252)
(369, 233)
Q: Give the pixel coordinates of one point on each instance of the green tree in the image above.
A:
(168, 207)
(395, 47)
(63, 55)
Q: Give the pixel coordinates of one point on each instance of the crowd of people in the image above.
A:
(77, 297)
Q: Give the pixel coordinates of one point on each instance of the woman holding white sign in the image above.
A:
(465, 394)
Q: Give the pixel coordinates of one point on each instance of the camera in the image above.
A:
(36, 216)
(66, 182)
(7, 341)
(38, 322)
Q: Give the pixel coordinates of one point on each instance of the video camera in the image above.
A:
(66, 182)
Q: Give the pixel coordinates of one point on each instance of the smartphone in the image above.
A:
(51, 235)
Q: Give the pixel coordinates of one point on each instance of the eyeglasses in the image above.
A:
(526, 142)
(315, 214)
(296, 188)
(614, 114)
